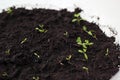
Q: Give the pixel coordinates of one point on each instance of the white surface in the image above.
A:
(107, 10)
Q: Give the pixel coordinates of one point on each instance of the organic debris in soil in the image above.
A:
(44, 44)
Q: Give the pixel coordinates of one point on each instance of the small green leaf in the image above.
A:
(86, 41)
(84, 50)
(84, 45)
(66, 33)
(80, 51)
(9, 11)
(41, 25)
(68, 57)
(90, 33)
(35, 78)
(77, 15)
(74, 20)
(84, 28)
(79, 41)
(85, 55)
(85, 68)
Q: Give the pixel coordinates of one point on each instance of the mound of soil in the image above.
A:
(41, 44)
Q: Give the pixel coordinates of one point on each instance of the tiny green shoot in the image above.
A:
(41, 29)
(85, 68)
(35, 78)
(89, 32)
(68, 57)
(5, 74)
(36, 54)
(76, 18)
(66, 33)
(9, 10)
(24, 40)
(7, 52)
(107, 52)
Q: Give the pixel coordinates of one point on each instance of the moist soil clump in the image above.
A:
(44, 44)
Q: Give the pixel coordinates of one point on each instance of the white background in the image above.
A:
(107, 10)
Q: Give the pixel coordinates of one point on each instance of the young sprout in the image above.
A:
(66, 33)
(84, 53)
(7, 52)
(68, 57)
(9, 10)
(89, 32)
(107, 52)
(35, 78)
(5, 74)
(38, 56)
(24, 40)
(41, 29)
(84, 46)
(85, 68)
(77, 18)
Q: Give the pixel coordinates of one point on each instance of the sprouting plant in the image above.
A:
(41, 29)
(84, 46)
(66, 33)
(85, 68)
(36, 54)
(5, 74)
(107, 52)
(89, 32)
(35, 78)
(68, 57)
(9, 10)
(7, 51)
(77, 18)
(24, 40)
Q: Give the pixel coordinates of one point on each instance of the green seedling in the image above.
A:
(66, 33)
(89, 32)
(7, 52)
(5, 74)
(36, 54)
(85, 68)
(107, 52)
(84, 53)
(84, 46)
(24, 40)
(41, 29)
(77, 18)
(68, 57)
(35, 78)
(9, 10)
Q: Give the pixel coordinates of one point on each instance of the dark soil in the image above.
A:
(43, 55)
